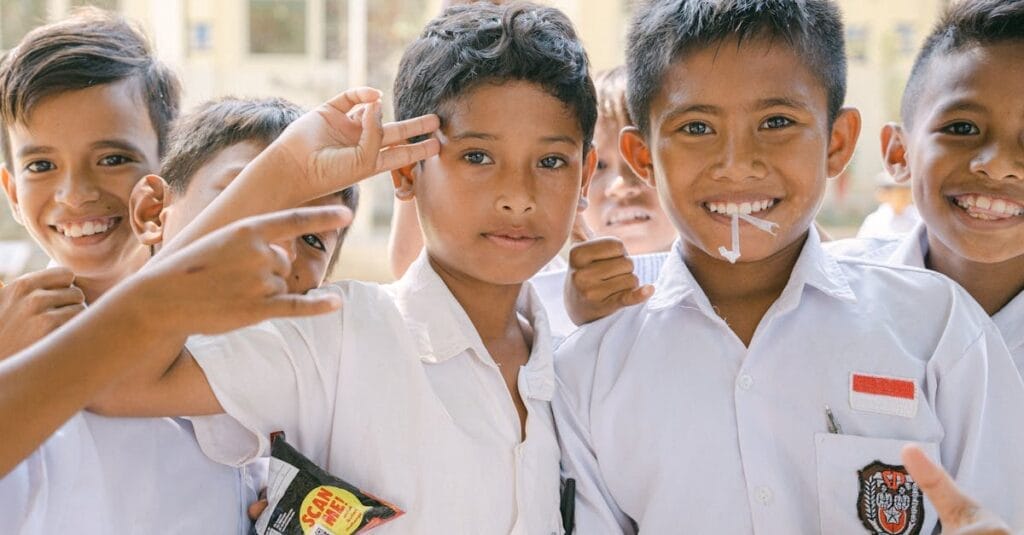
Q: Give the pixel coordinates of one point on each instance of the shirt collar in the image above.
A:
(912, 248)
(1009, 320)
(442, 330)
(814, 268)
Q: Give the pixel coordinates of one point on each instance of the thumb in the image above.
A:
(581, 231)
(636, 295)
(293, 305)
(955, 509)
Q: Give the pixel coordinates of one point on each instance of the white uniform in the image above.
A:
(670, 424)
(911, 250)
(886, 223)
(396, 394)
(550, 286)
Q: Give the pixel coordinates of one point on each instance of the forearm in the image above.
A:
(44, 385)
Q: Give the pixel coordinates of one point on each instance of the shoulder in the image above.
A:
(598, 345)
(876, 249)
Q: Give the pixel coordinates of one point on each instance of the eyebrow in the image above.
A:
(694, 108)
(474, 135)
(119, 144)
(560, 139)
(29, 150)
(962, 104)
(785, 102)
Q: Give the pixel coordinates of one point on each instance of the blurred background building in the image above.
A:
(307, 50)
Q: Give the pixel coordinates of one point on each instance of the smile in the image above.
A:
(89, 227)
(988, 208)
(626, 217)
(733, 208)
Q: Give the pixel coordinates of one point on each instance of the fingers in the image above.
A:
(371, 134)
(290, 224)
(62, 297)
(581, 231)
(351, 98)
(399, 131)
(62, 315)
(636, 296)
(402, 155)
(592, 251)
(256, 509)
(51, 278)
(954, 508)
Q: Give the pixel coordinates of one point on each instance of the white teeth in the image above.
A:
(89, 228)
(625, 216)
(746, 208)
(996, 208)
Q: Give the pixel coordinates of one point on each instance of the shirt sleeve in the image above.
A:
(596, 509)
(979, 399)
(279, 375)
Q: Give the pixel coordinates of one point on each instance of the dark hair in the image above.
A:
(964, 24)
(611, 95)
(93, 47)
(197, 137)
(662, 31)
(469, 45)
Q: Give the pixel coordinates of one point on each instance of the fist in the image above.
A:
(35, 305)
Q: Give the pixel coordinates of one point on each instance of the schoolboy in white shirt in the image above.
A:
(432, 393)
(772, 395)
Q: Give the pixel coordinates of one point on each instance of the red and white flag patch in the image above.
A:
(883, 395)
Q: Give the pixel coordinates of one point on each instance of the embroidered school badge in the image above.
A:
(889, 502)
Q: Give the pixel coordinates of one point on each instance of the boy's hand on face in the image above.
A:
(235, 276)
(343, 141)
(600, 279)
(958, 513)
(34, 305)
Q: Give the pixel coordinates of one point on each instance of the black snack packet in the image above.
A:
(306, 500)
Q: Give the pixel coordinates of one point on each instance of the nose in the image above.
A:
(77, 189)
(517, 195)
(1002, 159)
(739, 158)
(623, 186)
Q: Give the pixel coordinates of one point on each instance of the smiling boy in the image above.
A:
(771, 395)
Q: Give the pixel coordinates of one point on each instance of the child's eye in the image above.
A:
(601, 165)
(313, 241)
(40, 166)
(114, 160)
(778, 121)
(477, 158)
(696, 128)
(961, 128)
(552, 162)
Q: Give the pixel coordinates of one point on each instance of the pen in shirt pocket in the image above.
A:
(833, 425)
(568, 505)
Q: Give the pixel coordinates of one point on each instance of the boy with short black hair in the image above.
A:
(86, 109)
(447, 374)
(209, 147)
(810, 372)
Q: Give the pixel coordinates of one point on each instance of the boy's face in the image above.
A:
(622, 205)
(74, 162)
(498, 201)
(965, 152)
(743, 125)
(310, 253)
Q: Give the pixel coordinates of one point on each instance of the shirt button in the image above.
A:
(764, 495)
(745, 382)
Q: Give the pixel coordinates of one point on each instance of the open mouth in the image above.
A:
(87, 228)
(734, 208)
(988, 208)
(627, 217)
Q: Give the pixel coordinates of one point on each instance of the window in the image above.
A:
(335, 29)
(18, 17)
(277, 26)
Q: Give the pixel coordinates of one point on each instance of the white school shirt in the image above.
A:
(670, 425)
(550, 287)
(396, 394)
(54, 489)
(886, 223)
(911, 250)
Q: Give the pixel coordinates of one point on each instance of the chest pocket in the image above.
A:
(863, 487)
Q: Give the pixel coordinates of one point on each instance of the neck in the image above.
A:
(491, 307)
(991, 285)
(94, 287)
(761, 280)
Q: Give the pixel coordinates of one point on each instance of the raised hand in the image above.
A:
(959, 514)
(600, 279)
(235, 276)
(34, 305)
(343, 141)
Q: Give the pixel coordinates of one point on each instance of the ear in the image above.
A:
(637, 154)
(843, 141)
(146, 209)
(894, 152)
(404, 178)
(589, 167)
(12, 193)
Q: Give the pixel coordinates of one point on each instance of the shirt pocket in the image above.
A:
(863, 487)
